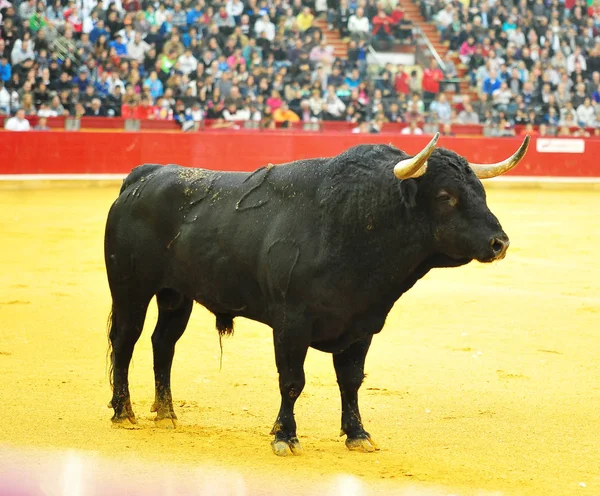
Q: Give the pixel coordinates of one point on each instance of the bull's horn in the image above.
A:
(486, 171)
(417, 165)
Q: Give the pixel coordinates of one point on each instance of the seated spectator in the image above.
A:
(394, 114)
(412, 128)
(528, 129)
(137, 48)
(358, 25)
(468, 115)
(501, 97)
(5, 99)
(444, 20)
(491, 83)
(586, 113)
(264, 25)
(340, 18)
(284, 114)
(447, 130)
(334, 106)
(382, 29)
(17, 122)
(233, 113)
(467, 50)
(564, 132)
(581, 132)
(440, 109)
(402, 27)
(322, 54)
(42, 125)
(305, 19)
(96, 109)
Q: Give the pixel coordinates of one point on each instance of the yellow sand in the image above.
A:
(485, 377)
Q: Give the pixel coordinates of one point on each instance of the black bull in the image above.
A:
(318, 249)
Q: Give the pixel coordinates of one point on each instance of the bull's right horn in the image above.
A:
(417, 165)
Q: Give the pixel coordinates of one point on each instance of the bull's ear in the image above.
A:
(408, 190)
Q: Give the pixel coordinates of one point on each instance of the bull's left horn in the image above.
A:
(486, 171)
(417, 165)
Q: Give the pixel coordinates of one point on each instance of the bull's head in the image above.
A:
(454, 200)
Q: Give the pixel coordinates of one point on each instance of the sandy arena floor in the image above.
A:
(485, 380)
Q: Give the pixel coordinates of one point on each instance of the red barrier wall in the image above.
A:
(118, 152)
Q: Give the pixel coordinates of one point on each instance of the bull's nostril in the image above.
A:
(497, 246)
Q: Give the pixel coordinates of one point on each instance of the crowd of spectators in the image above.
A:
(532, 62)
(257, 61)
(266, 63)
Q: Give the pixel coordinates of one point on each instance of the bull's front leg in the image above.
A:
(349, 368)
(291, 346)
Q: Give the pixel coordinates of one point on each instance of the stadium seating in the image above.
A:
(196, 64)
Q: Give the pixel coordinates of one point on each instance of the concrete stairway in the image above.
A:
(414, 14)
(340, 48)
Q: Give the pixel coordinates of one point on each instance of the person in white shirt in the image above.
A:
(18, 122)
(187, 62)
(137, 48)
(586, 113)
(334, 105)
(4, 99)
(232, 113)
(573, 58)
(264, 24)
(358, 25)
(235, 8)
(412, 128)
(21, 51)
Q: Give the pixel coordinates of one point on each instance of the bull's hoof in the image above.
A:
(166, 422)
(124, 422)
(364, 444)
(286, 448)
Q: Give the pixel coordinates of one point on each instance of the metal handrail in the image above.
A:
(431, 48)
(374, 54)
(68, 50)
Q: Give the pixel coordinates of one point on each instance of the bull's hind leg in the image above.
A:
(127, 321)
(174, 312)
(349, 368)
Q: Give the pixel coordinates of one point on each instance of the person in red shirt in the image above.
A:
(382, 28)
(431, 82)
(401, 81)
(402, 27)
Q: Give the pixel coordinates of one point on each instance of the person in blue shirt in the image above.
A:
(119, 46)
(102, 85)
(5, 69)
(155, 85)
(353, 80)
(82, 79)
(491, 83)
(167, 26)
(194, 14)
(98, 31)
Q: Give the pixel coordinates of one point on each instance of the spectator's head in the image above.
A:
(20, 113)
(360, 12)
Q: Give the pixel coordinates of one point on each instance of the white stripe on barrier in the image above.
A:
(110, 177)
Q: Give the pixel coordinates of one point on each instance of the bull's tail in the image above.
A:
(110, 353)
(225, 328)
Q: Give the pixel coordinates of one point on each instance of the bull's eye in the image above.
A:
(444, 197)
